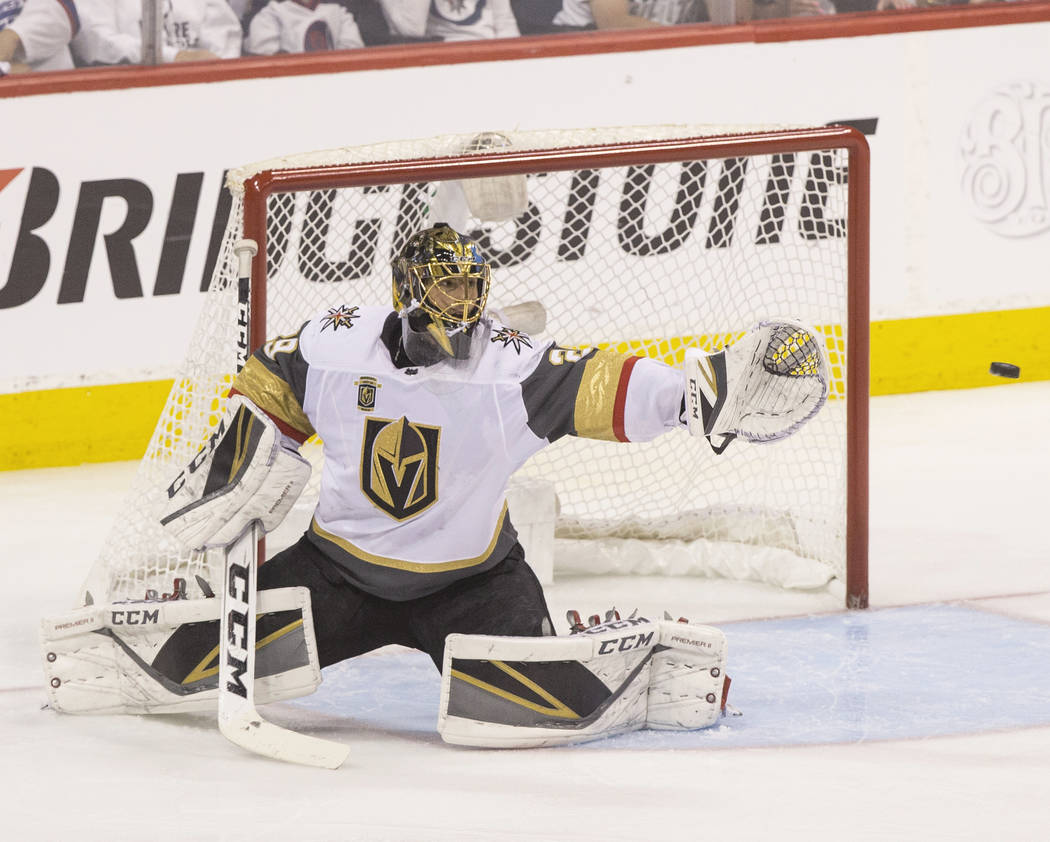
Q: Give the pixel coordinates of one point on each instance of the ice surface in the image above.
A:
(883, 674)
(925, 718)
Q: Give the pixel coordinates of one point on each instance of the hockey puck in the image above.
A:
(1005, 370)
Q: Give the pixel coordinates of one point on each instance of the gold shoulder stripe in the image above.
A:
(598, 412)
(272, 395)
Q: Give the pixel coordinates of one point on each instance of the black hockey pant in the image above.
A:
(506, 600)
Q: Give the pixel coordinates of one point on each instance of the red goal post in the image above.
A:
(646, 240)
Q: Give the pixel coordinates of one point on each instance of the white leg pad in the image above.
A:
(161, 657)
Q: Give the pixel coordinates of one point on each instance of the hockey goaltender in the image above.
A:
(425, 411)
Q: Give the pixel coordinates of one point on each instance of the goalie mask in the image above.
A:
(441, 283)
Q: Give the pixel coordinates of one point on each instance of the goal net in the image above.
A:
(642, 240)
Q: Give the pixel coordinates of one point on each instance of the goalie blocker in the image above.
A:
(623, 675)
(247, 471)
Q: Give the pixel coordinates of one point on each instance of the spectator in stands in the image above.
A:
(450, 20)
(772, 9)
(367, 14)
(35, 35)
(622, 14)
(882, 5)
(301, 26)
(193, 30)
(535, 16)
(370, 21)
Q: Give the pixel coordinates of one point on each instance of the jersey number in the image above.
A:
(557, 356)
(281, 345)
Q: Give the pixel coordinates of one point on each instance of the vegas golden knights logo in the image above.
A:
(399, 466)
(366, 393)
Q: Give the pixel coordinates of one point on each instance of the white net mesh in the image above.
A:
(649, 259)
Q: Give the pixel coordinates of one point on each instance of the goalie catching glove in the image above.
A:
(761, 388)
(247, 471)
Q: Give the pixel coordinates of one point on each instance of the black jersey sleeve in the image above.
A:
(274, 379)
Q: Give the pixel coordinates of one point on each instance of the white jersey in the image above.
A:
(301, 26)
(451, 20)
(417, 460)
(45, 28)
(112, 31)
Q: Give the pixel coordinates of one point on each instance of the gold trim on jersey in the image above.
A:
(596, 399)
(412, 566)
(272, 395)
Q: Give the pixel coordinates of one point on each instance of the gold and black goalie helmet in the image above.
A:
(440, 287)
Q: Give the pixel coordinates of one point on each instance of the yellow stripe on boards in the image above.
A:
(954, 352)
(53, 427)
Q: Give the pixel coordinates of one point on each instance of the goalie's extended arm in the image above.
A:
(247, 471)
(601, 394)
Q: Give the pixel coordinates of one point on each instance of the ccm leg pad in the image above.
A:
(162, 657)
(611, 678)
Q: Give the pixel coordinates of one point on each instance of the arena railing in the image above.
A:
(846, 25)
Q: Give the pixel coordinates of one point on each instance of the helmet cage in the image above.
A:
(452, 293)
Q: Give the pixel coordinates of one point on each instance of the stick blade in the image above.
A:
(249, 730)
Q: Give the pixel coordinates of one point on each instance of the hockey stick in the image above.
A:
(239, 721)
